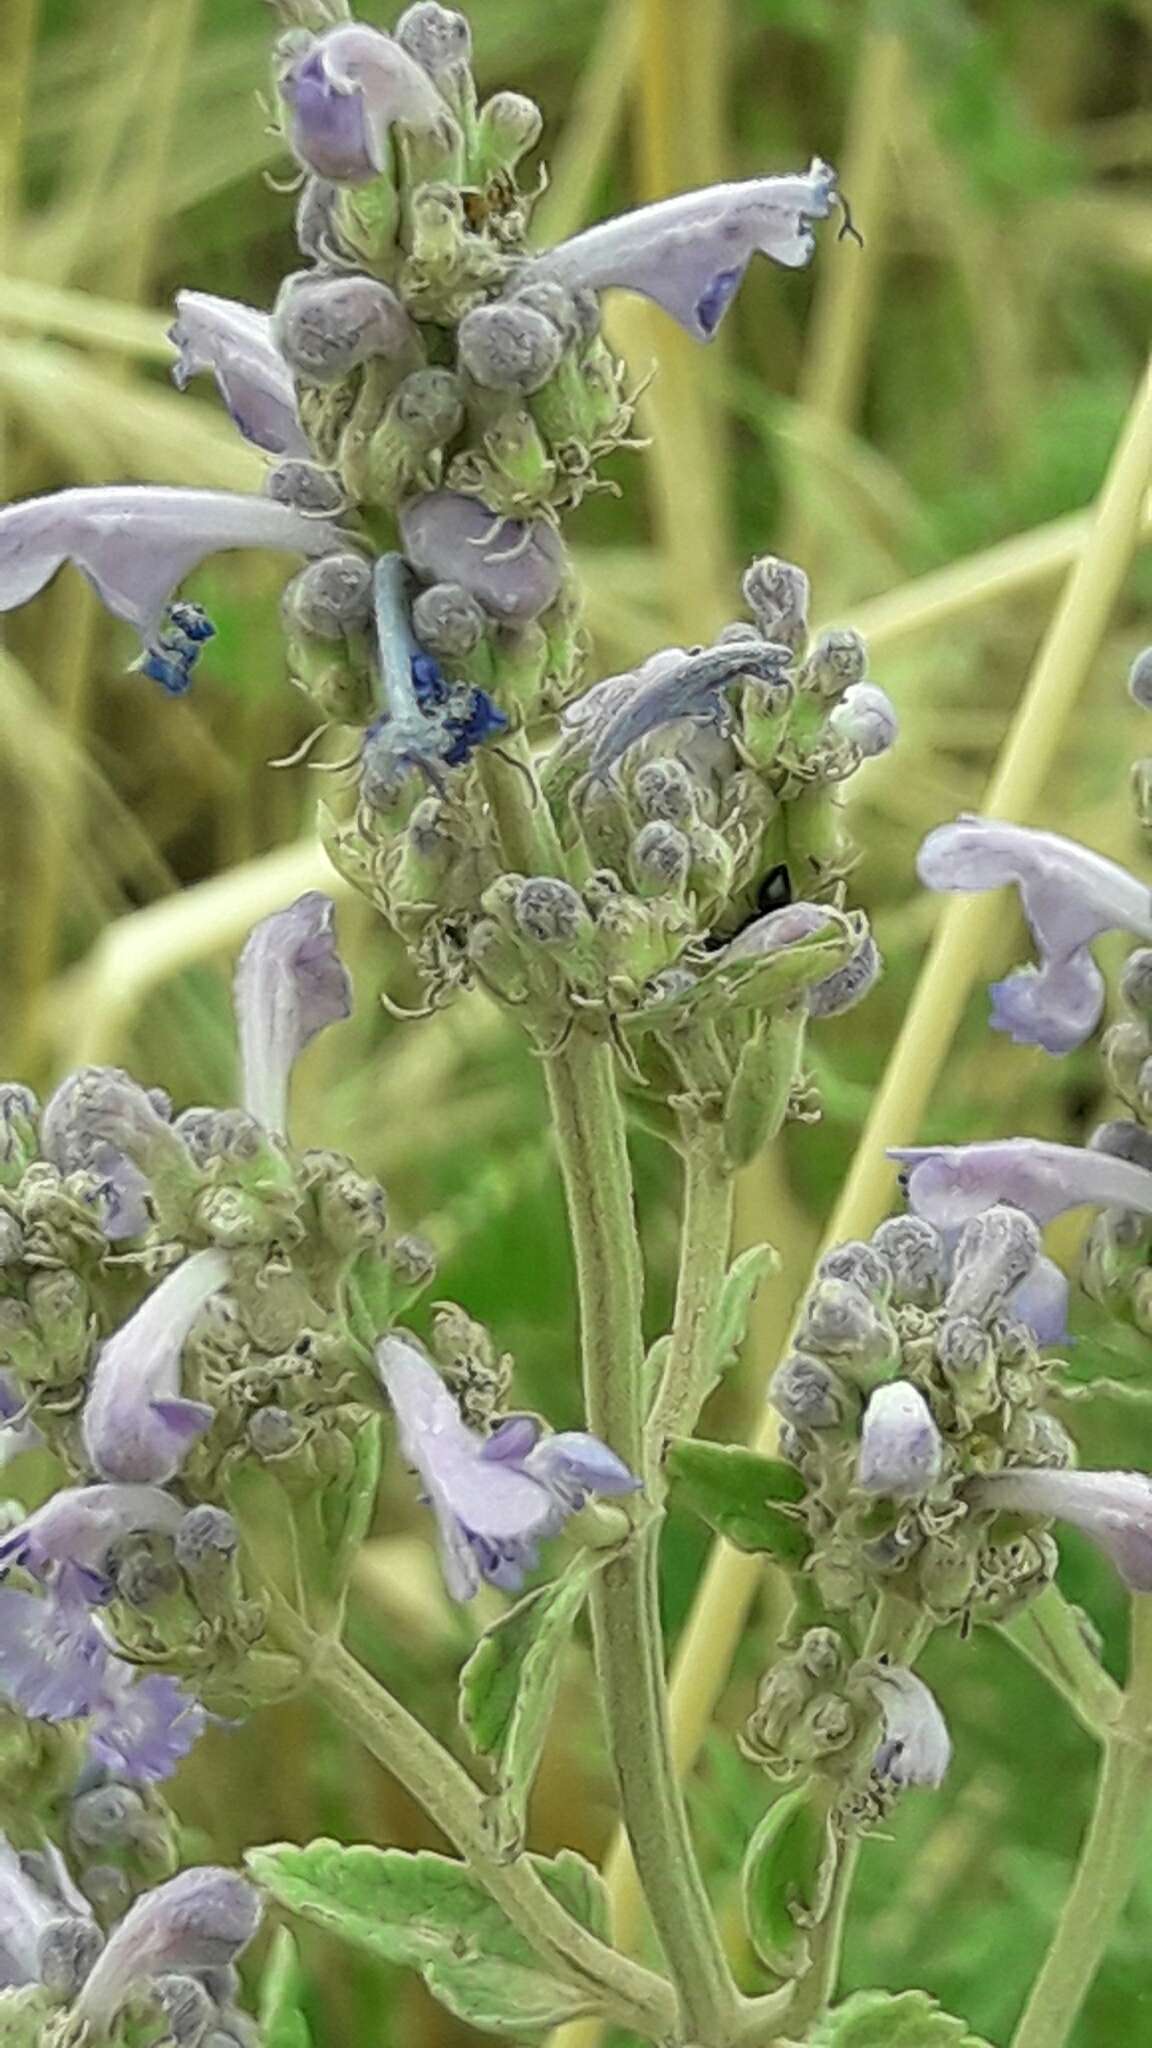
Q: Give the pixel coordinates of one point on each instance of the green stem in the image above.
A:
(1109, 1860)
(1050, 1634)
(705, 1238)
(633, 1996)
(589, 1130)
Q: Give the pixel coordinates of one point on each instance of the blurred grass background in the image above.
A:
(921, 424)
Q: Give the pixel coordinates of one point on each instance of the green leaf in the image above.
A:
(282, 2024)
(429, 1912)
(508, 1690)
(882, 2019)
(751, 1500)
(736, 1297)
(787, 1878)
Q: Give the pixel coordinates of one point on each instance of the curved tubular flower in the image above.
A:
(136, 544)
(200, 1920)
(344, 91)
(946, 1184)
(234, 342)
(916, 1749)
(494, 1498)
(137, 1426)
(513, 567)
(1113, 1508)
(289, 983)
(1069, 895)
(690, 688)
(690, 253)
(79, 1525)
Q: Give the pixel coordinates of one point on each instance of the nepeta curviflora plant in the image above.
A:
(208, 1327)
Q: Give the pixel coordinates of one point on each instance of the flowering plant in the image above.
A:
(211, 1330)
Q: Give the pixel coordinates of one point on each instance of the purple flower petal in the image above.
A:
(79, 1525)
(946, 1184)
(1041, 1301)
(290, 982)
(136, 1427)
(199, 1920)
(690, 253)
(143, 1724)
(1114, 1509)
(916, 1749)
(344, 92)
(234, 343)
(514, 568)
(53, 1658)
(136, 543)
(1069, 895)
(574, 1464)
(513, 1440)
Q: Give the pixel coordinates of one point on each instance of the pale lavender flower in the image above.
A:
(143, 1724)
(916, 1749)
(344, 90)
(946, 1184)
(290, 982)
(866, 716)
(692, 687)
(1041, 1301)
(901, 1449)
(513, 567)
(690, 253)
(234, 342)
(100, 1121)
(1113, 1508)
(136, 544)
(36, 1925)
(494, 1498)
(80, 1524)
(16, 1433)
(200, 1920)
(1069, 896)
(137, 1426)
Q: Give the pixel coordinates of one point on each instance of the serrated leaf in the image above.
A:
(787, 1878)
(883, 2019)
(428, 1911)
(508, 1690)
(744, 1276)
(751, 1500)
(282, 2024)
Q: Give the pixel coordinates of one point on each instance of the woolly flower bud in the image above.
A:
(510, 125)
(777, 595)
(326, 326)
(509, 346)
(901, 1451)
(664, 789)
(549, 911)
(187, 2007)
(994, 1253)
(807, 1393)
(447, 621)
(67, 1950)
(661, 856)
(331, 597)
(199, 1919)
(837, 661)
(107, 1817)
(1136, 979)
(848, 985)
(512, 567)
(916, 1257)
(1140, 680)
(574, 315)
(435, 36)
(430, 405)
(1124, 1140)
(965, 1351)
(862, 1265)
(866, 716)
(840, 1319)
(273, 1432)
(206, 1539)
(305, 487)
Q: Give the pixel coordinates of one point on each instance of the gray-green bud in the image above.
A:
(841, 1320)
(661, 857)
(206, 1541)
(448, 621)
(305, 486)
(1141, 786)
(412, 1262)
(664, 789)
(331, 598)
(509, 346)
(1125, 1046)
(187, 2007)
(549, 911)
(916, 1257)
(862, 1265)
(19, 1130)
(1123, 1139)
(107, 1817)
(1136, 977)
(510, 125)
(838, 660)
(437, 37)
(807, 1393)
(1140, 680)
(67, 1949)
(273, 1432)
(777, 595)
(994, 1253)
(325, 326)
(429, 406)
(566, 310)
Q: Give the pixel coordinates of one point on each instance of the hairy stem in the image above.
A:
(1109, 1860)
(705, 1237)
(1050, 1635)
(589, 1128)
(633, 1996)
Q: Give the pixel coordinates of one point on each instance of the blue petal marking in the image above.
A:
(170, 659)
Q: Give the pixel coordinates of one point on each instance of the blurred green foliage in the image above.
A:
(961, 386)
